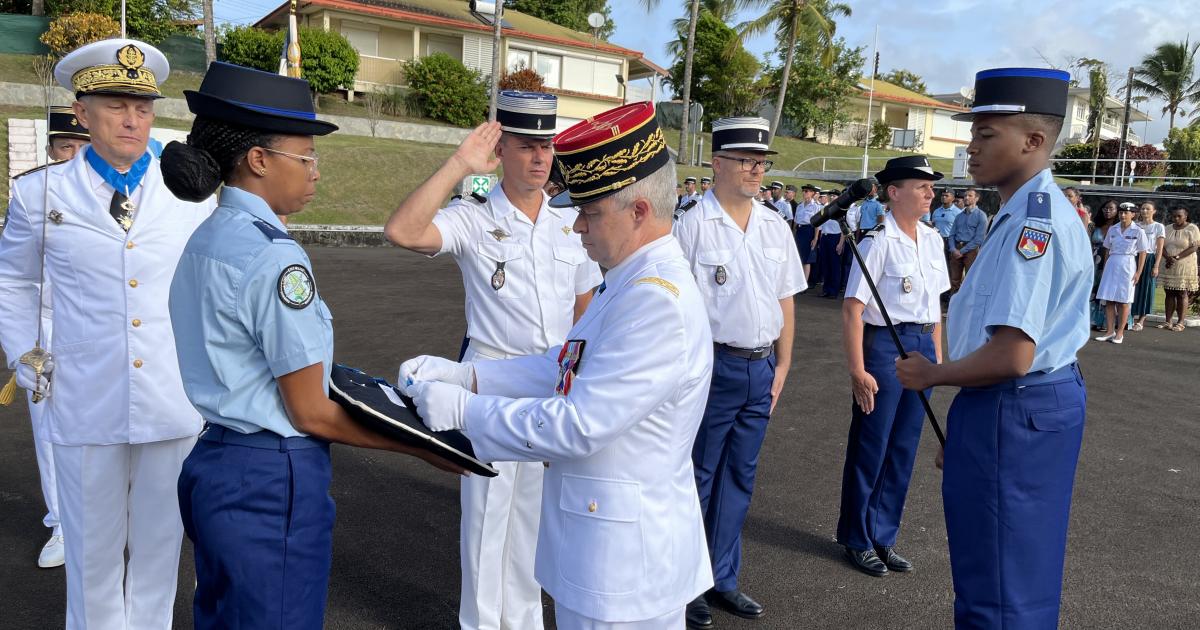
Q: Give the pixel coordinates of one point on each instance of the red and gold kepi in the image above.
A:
(608, 152)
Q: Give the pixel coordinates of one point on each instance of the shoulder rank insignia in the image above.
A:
(568, 365)
(1038, 205)
(270, 231)
(296, 288)
(687, 206)
(1033, 243)
(38, 168)
(659, 282)
(456, 198)
(478, 197)
(873, 231)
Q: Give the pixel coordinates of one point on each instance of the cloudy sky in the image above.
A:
(944, 41)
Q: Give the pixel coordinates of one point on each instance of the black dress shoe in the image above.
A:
(893, 560)
(867, 561)
(698, 615)
(737, 603)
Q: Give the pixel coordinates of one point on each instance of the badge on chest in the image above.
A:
(568, 365)
(720, 276)
(498, 277)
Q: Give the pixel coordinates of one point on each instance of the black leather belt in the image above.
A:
(753, 354)
(905, 327)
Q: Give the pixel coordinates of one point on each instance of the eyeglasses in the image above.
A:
(310, 161)
(749, 164)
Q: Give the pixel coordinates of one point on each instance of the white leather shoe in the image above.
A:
(54, 554)
(1117, 340)
(1106, 337)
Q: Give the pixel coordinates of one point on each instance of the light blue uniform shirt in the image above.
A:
(943, 219)
(805, 211)
(869, 214)
(245, 311)
(1045, 296)
(971, 227)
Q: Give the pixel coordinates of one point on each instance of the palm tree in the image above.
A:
(791, 20)
(723, 10)
(694, 11)
(1168, 74)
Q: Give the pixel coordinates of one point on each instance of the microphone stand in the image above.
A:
(887, 319)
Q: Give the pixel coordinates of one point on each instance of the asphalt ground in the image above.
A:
(1130, 563)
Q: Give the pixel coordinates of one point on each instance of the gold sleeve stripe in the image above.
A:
(660, 282)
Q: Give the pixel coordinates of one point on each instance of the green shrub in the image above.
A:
(70, 31)
(327, 60)
(881, 135)
(444, 89)
(150, 21)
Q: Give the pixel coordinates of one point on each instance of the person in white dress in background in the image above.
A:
(1125, 245)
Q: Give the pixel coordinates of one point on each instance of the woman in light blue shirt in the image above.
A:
(255, 346)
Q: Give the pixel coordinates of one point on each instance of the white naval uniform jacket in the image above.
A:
(116, 377)
(622, 535)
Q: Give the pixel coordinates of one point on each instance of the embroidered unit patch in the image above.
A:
(296, 287)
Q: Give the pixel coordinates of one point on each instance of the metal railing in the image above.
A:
(1123, 168)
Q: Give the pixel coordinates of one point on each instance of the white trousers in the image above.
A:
(498, 543)
(45, 464)
(567, 619)
(119, 499)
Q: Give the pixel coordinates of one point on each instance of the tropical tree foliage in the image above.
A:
(906, 79)
(1184, 144)
(723, 10)
(722, 82)
(1169, 74)
(807, 24)
(572, 14)
(818, 94)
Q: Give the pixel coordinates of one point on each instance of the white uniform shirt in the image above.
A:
(742, 275)
(782, 206)
(544, 264)
(852, 214)
(622, 536)
(116, 376)
(1128, 242)
(896, 262)
(830, 227)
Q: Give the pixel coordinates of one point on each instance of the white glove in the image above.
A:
(437, 369)
(442, 406)
(27, 378)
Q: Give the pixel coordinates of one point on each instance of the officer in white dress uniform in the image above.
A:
(615, 409)
(742, 256)
(64, 138)
(527, 279)
(1126, 243)
(689, 192)
(777, 203)
(118, 417)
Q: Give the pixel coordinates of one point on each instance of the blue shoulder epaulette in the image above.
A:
(478, 197)
(270, 231)
(1038, 206)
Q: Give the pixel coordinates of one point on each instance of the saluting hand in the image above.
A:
(864, 387)
(477, 153)
(915, 372)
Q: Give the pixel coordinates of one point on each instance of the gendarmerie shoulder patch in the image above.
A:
(1033, 242)
(674, 290)
(296, 289)
(270, 231)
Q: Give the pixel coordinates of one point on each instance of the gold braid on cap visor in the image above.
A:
(612, 165)
(115, 78)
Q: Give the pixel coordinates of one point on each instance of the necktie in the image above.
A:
(121, 209)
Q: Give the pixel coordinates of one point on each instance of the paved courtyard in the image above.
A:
(1133, 528)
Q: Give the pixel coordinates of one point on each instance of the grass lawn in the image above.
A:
(19, 69)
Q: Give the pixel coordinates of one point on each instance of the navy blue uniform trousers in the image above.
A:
(804, 236)
(882, 445)
(1011, 451)
(831, 264)
(261, 520)
(725, 456)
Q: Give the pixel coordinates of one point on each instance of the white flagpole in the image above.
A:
(870, 104)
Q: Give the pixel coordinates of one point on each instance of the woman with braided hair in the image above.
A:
(255, 346)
